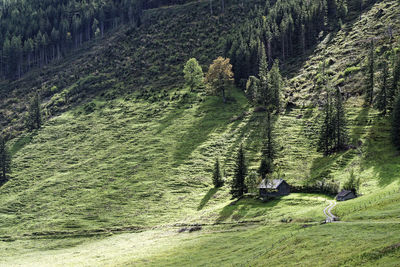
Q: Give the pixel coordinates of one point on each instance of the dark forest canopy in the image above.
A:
(34, 32)
(285, 28)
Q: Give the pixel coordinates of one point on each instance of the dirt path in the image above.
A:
(327, 211)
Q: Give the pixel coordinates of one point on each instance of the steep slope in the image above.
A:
(143, 162)
(147, 59)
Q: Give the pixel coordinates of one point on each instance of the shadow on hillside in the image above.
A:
(207, 197)
(380, 154)
(210, 116)
(360, 123)
(324, 165)
(21, 142)
(238, 209)
(176, 113)
(321, 168)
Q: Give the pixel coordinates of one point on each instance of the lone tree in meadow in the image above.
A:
(240, 172)
(34, 120)
(5, 161)
(217, 178)
(193, 72)
(219, 77)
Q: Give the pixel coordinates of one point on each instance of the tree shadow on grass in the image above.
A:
(211, 115)
(21, 142)
(360, 123)
(324, 165)
(238, 209)
(380, 154)
(207, 197)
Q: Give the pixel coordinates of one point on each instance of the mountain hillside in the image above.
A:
(120, 173)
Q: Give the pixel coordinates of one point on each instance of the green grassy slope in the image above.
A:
(148, 59)
(142, 163)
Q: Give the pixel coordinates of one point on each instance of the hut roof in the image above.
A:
(344, 193)
(270, 184)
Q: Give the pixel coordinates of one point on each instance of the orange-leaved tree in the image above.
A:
(219, 76)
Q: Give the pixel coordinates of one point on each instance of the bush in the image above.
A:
(89, 107)
(351, 70)
(320, 187)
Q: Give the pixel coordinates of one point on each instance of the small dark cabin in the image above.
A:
(345, 195)
(274, 188)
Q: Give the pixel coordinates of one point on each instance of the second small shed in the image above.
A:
(345, 195)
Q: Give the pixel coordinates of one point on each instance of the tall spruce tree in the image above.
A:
(333, 133)
(217, 179)
(5, 161)
(268, 150)
(34, 120)
(382, 98)
(264, 95)
(396, 123)
(340, 122)
(369, 89)
(238, 184)
(276, 83)
(395, 80)
(327, 127)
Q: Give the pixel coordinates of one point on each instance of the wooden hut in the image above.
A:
(274, 188)
(345, 195)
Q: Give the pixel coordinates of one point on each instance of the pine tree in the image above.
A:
(395, 80)
(251, 182)
(240, 171)
(268, 150)
(382, 98)
(5, 161)
(252, 88)
(327, 128)
(369, 89)
(340, 122)
(276, 83)
(34, 120)
(333, 132)
(396, 123)
(217, 179)
(263, 93)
